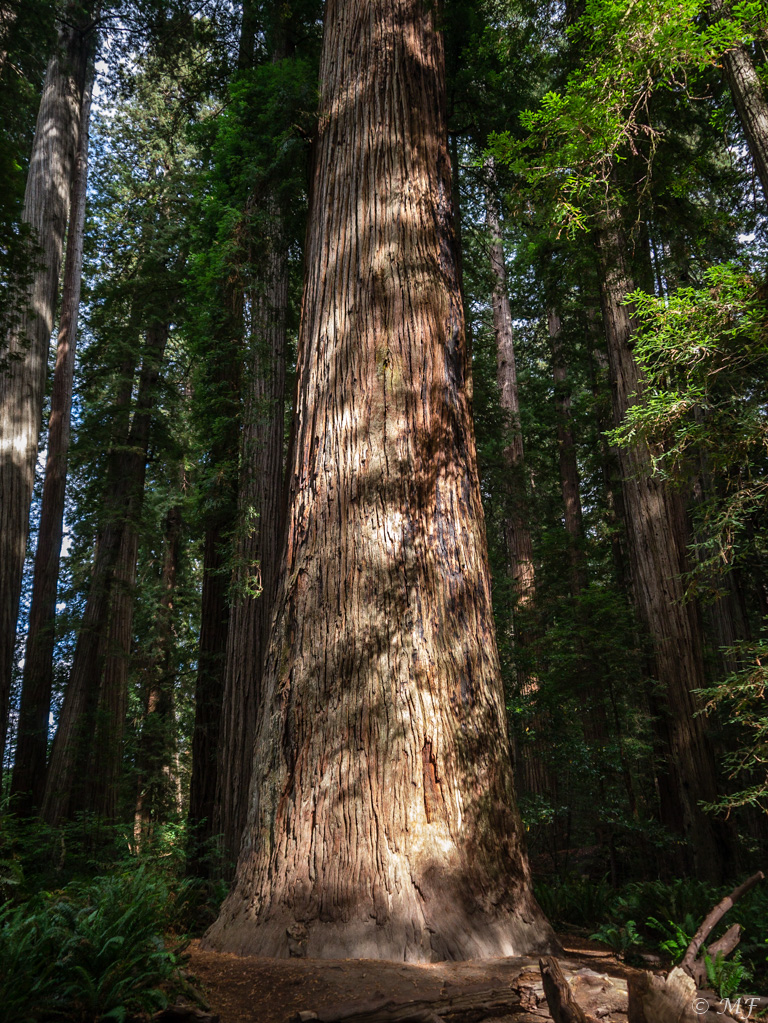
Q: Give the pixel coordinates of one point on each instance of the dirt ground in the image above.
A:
(245, 989)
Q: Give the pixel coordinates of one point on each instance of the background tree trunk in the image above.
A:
(517, 530)
(566, 451)
(533, 776)
(28, 783)
(84, 769)
(156, 758)
(220, 518)
(749, 98)
(260, 509)
(657, 527)
(24, 363)
(383, 822)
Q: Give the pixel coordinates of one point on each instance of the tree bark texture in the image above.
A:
(260, 511)
(749, 98)
(657, 527)
(383, 821)
(28, 782)
(23, 363)
(86, 758)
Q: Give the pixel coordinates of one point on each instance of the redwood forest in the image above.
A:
(383, 511)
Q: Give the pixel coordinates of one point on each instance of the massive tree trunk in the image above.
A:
(86, 758)
(749, 98)
(383, 820)
(260, 508)
(656, 522)
(23, 363)
(28, 783)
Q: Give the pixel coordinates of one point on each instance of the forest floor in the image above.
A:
(247, 989)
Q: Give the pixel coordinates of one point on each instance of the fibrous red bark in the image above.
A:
(383, 820)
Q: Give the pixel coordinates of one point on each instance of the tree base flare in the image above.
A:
(445, 933)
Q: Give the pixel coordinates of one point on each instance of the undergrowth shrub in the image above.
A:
(91, 951)
(663, 917)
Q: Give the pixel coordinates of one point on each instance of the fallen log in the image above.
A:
(184, 1014)
(670, 999)
(469, 1008)
(562, 1005)
(712, 919)
(725, 945)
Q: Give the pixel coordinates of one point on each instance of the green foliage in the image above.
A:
(702, 350)
(726, 976)
(740, 700)
(620, 938)
(605, 111)
(660, 915)
(703, 354)
(90, 951)
(575, 900)
(675, 937)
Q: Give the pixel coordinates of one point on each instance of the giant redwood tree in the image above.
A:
(382, 820)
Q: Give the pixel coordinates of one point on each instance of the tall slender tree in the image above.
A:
(260, 508)
(25, 361)
(85, 766)
(535, 779)
(518, 532)
(383, 819)
(156, 760)
(657, 528)
(566, 451)
(749, 98)
(28, 781)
